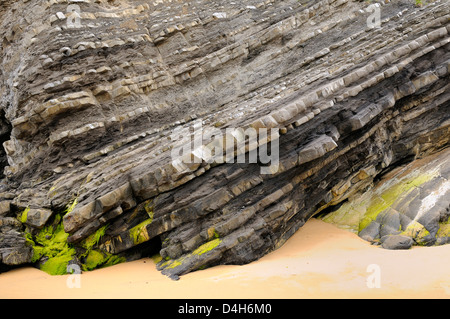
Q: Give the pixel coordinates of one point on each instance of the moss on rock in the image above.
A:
(387, 209)
(444, 230)
(54, 253)
(57, 265)
(203, 249)
(100, 259)
(71, 206)
(93, 239)
(51, 243)
(346, 217)
(139, 233)
(96, 258)
(398, 189)
(418, 232)
(207, 247)
(24, 215)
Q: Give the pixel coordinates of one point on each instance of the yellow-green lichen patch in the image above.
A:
(444, 230)
(52, 192)
(359, 212)
(37, 250)
(417, 232)
(175, 263)
(24, 215)
(53, 252)
(207, 247)
(93, 260)
(346, 217)
(96, 258)
(51, 242)
(172, 263)
(70, 207)
(156, 258)
(212, 233)
(100, 259)
(149, 208)
(57, 265)
(113, 260)
(139, 233)
(390, 195)
(94, 238)
(203, 249)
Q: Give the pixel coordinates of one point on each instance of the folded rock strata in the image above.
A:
(96, 96)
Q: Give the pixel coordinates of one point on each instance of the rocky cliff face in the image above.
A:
(102, 101)
(408, 206)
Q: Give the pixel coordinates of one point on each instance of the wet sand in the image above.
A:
(319, 261)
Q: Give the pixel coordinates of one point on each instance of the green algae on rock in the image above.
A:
(412, 203)
(52, 253)
(91, 123)
(51, 248)
(397, 189)
(203, 249)
(198, 259)
(100, 259)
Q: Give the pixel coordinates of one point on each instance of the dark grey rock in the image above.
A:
(38, 217)
(404, 221)
(17, 256)
(389, 217)
(371, 232)
(396, 242)
(98, 123)
(14, 249)
(386, 230)
(430, 219)
(5, 207)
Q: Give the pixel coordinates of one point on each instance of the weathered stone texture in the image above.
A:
(93, 103)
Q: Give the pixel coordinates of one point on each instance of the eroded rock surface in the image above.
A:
(409, 206)
(96, 94)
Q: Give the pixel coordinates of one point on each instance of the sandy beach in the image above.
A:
(319, 261)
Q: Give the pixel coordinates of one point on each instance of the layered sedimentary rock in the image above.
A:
(102, 102)
(409, 206)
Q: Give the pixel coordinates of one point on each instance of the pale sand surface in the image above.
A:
(319, 261)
